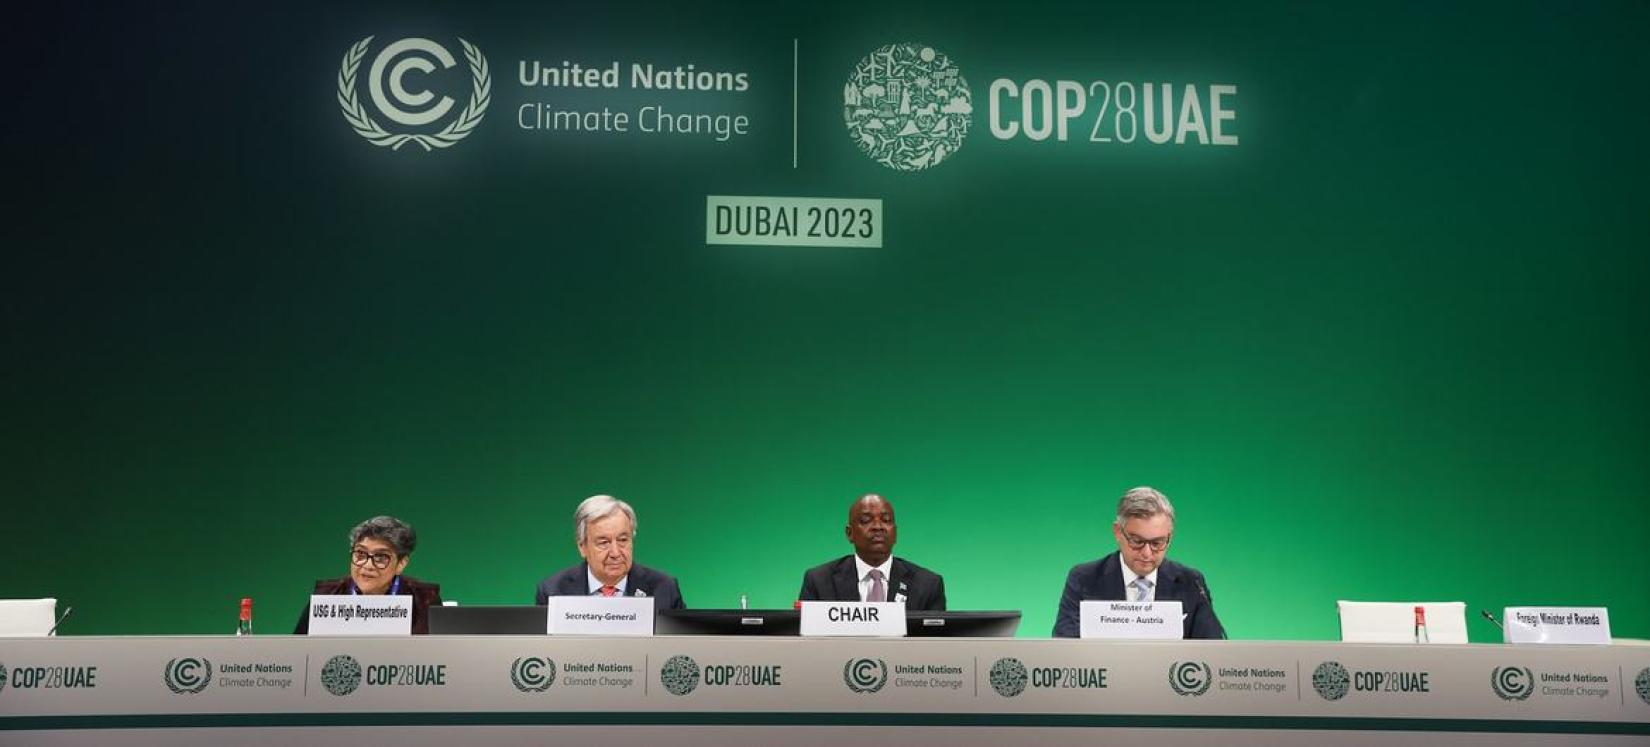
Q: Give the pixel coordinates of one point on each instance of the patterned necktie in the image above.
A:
(879, 593)
(1143, 589)
(608, 591)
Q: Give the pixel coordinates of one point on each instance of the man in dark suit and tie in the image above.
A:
(604, 528)
(872, 573)
(1139, 570)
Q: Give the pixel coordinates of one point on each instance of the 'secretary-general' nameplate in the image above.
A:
(600, 616)
(360, 614)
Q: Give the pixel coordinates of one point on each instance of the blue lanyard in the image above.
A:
(395, 587)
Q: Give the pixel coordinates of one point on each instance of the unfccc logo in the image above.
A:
(1189, 677)
(188, 675)
(1512, 683)
(397, 83)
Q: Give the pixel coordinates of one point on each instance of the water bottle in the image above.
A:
(1421, 625)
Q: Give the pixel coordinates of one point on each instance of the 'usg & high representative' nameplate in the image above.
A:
(360, 614)
(879, 619)
(1557, 625)
(600, 616)
(1132, 620)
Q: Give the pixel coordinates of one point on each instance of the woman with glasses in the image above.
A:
(379, 550)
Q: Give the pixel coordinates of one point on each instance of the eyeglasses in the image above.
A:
(1136, 543)
(380, 560)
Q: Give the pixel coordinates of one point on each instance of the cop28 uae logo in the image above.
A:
(533, 674)
(1512, 683)
(341, 674)
(1008, 677)
(1189, 677)
(907, 106)
(188, 675)
(865, 675)
(679, 675)
(1331, 679)
(410, 114)
(1641, 683)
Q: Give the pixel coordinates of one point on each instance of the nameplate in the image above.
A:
(600, 615)
(1132, 620)
(1556, 625)
(360, 614)
(883, 619)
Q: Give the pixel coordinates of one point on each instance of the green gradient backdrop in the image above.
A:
(1390, 347)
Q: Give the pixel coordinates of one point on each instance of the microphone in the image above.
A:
(1491, 618)
(66, 612)
(1197, 580)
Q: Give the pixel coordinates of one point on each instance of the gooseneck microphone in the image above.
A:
(1204, 592)
(66, 612)
(1491, 618)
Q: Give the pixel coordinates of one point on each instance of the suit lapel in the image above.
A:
(577, 586)
(1111, 579)
(899, 580)
(846, 579)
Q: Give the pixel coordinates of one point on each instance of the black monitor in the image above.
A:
(728, 622)
(489, 620)
(983, 624)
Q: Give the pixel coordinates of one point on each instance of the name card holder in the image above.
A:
(632, 616)
(1586, 625)
(1152, 621)
(360, 614)
(874, 619)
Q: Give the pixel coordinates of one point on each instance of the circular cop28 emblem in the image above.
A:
(188, 675)
(679, 675)
(1330, 680)
(1512, 683)
(1008, 677)
(412, 115)
(865, 675)
(1641, 683)
(341, 674)
(533, 674)
(907, 106)
(1189, 677)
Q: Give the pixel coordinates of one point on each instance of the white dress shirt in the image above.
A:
(864, 570)
(1129, 576)
(595, 585)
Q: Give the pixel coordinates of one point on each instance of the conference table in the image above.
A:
(705, 690)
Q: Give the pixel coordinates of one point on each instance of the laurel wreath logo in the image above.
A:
(481, 94)
(1512, 683)
(188, 675)
(865, 675)
(533, 674)
(1191, 678)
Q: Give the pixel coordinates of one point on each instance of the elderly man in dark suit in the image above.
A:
(1139, 570)
(604, 528)
(872, 573)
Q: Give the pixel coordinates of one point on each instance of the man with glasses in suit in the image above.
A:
(1139, 570)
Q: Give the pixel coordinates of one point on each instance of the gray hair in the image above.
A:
(1143, 503)
(596, 508)
(398, 533)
